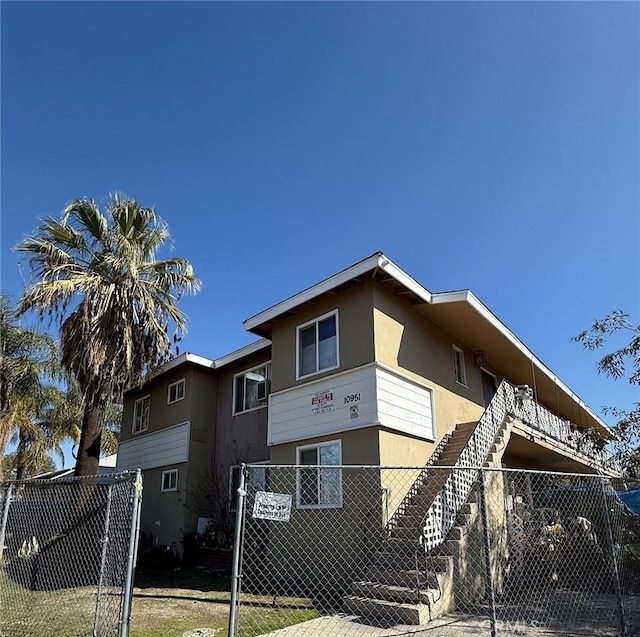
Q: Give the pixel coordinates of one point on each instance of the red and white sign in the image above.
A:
(322, 402)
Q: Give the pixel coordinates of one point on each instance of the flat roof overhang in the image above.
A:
(533, 451)
(467, 320)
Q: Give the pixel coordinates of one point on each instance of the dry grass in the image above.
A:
(165, 604)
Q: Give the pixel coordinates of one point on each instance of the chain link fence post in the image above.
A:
(486, 534)
(131, 557)
(5, 517)
(614, 559)
(103, 559)
(237, 550)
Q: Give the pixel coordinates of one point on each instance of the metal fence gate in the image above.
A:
(67, 555)
(345, 550)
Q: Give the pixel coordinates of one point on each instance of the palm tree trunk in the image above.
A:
(89, 450)
(21, 456)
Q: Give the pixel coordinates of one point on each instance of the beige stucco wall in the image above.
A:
(409, 343)
(318, 546)
(355, 328)
(400, 450)
(359, 447)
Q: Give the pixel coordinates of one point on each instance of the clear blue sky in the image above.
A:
(491, 146)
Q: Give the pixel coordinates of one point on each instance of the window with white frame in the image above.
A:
(317, 344)
(141, 414)
(320, 486)
(251, 388)
(459, 370)
(175, 391)
(170, 480)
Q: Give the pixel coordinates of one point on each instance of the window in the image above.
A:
(318, 345)
(320, 487)
(251, 388)
(459, 371)
(141, 414)
(170, 480)
(175, 391)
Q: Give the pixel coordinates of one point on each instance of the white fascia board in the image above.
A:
(176, 362)
(377, 260)
(186, 358)
(403, 278)
(206, 362)
(247, 350)
(470, 298)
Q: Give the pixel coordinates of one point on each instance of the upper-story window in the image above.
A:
(141, 414)
(175, 392)
(251, 388)
(318, 345)
(459, 370)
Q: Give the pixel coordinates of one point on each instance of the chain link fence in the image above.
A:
(67, 555)
(351, 551)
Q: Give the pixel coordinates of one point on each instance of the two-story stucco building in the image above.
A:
(367, 367)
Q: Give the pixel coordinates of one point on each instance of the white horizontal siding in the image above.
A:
(158, 449)
(291, 416)
(404, 405)
(385, 398)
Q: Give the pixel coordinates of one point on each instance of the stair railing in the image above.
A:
(443, 511)
(440, 517)
(423, 476)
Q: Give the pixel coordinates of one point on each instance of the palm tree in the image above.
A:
(97, 275)
(29, 364)
(40, 428)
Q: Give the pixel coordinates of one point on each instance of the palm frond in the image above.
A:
(87, 215)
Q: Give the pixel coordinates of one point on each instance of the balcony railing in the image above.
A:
(552, 426)
(508, 401)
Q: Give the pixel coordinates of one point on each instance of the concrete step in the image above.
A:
(402, 545)
(398, 561)
(447, 548)
(411, 521)
(456, 533)
(391, 592)
(407, 533)
(397, 613)
(463, 519)
(409, 579)
(469, 507)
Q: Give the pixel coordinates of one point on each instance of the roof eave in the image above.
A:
(468, 297)
(376, 261)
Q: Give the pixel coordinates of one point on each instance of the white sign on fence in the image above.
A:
(272, 506)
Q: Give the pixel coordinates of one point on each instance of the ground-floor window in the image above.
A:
(320, 486)
(170, 480)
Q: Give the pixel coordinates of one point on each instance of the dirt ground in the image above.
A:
(170, 603)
